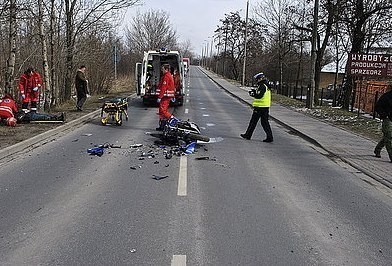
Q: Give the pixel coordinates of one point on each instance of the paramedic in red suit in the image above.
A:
(166, 93)
(29, 84)
(7, 110)
(37, 82)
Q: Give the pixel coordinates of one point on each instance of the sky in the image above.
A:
(194, 20)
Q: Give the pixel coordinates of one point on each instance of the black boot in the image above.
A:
(162, 123)
(61, 117)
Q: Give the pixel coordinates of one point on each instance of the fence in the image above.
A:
(364, 95)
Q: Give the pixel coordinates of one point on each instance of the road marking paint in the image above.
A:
(178, 260)
(187, 100)
(203, 108)
(206, 115)
(182, 176)
(210, 124)
(186, 110)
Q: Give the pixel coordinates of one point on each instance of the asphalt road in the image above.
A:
(251, 203)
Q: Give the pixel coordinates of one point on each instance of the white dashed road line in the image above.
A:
(182, 177)
(178, 260)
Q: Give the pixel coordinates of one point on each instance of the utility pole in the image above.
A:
(212, 42)
(115, 61)
(201, 58)
(310, 101)
(245, 40)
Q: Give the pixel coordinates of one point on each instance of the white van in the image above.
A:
(148, 74)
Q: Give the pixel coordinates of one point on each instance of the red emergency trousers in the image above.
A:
(7, 108)
(166, 93)
(26, 85)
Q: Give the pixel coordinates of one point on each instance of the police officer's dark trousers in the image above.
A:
(261, 113)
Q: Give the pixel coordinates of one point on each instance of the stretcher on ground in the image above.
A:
(114, 110)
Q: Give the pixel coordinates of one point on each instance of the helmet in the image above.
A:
(259, 76)
(11, 121)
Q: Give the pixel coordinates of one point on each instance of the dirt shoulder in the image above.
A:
(13, 135)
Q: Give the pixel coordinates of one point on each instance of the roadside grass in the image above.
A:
(360, 124)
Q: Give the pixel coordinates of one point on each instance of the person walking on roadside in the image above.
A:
(81, 85)
(166, 94)
(384, 109)
(261, 105)
(29, 85)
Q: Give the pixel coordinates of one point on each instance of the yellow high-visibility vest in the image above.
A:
(265, 101)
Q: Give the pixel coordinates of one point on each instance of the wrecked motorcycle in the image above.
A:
(187, 131)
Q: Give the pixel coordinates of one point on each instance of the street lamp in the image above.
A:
(245, 40)
(212, 42)
(313, 58)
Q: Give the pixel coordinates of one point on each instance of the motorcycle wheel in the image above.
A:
(198, 137)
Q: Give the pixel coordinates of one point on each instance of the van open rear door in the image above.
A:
(138, 78)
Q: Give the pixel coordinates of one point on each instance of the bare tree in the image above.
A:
(12, 46)
(80, 16)
(150, 30)
(186, 48)
(277, 17)
(230, 36)
(365, 21)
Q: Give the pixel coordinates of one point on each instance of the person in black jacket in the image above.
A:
(384, 109)
(81, 87)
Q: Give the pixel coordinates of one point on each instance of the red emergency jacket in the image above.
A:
(37, 80)
(7, 107)
(166, 86)
(26, 83)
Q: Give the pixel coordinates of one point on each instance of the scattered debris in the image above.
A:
(87, 134)
(115, 146)
(206, 158)
(157, 177)
(190, 148)
(96, 151)
(136, 145)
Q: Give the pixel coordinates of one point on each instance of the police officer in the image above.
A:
(384, 109)
(261, 105)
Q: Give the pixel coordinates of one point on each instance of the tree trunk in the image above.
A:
(46, 87)
(66, 94)
(54, 85)
(357, 43)
(12, 44)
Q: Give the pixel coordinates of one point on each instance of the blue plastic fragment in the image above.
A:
(96, 151)
(190, 148)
